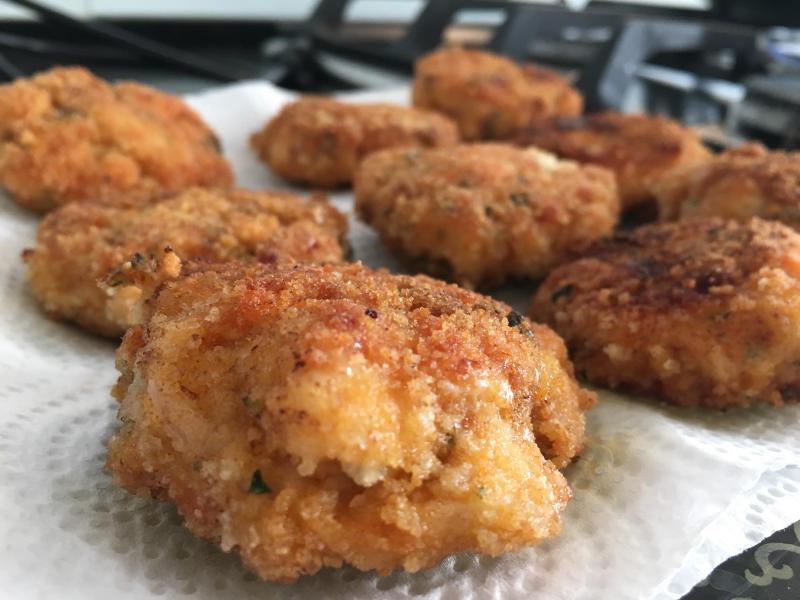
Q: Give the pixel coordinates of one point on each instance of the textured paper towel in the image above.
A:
(661, 495)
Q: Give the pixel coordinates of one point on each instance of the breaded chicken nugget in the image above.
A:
(640, 149)
(67, 135)
(489, 96)
(700, 312)
(81, 242)
(320, 141)
(315, 415)
(744, 182)
(479, 214)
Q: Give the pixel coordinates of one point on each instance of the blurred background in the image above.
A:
(729, 67)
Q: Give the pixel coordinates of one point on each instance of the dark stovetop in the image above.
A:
(768, 571)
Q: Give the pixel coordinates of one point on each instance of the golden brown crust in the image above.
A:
(489, 96)
(479, 214)
(81, 243)
(309, 416)
(700, 312)
(321, 141)
(67, 136)
(744, 182)
(640, 149)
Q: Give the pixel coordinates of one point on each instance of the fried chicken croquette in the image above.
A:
(321, 141)
(81, 243)
(489, 96)
(480, 214)
(69, 136)
(744, 182)
(700, 312)
(640, 149)
(316, 415)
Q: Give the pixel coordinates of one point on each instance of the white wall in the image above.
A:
(376, 10)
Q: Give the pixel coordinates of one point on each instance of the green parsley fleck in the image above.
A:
(517, 320)
(257, 484)
(514, 319)
(520, 198)
(328, 143)
(565, 291)
(481, 491)
(693, 202)
(791, 214)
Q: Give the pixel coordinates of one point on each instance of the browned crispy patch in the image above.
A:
(80, 243)
(310, 416)
(320, 141)
(640, 149)
(697, 312)
(489, 96)
(744, 182)
(66, 135)
(482, 213)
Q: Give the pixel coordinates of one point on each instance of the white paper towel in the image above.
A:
(661, 495)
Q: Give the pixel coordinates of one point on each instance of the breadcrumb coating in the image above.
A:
(640, 149)
(699, 312)
(744, 182)
(489, 96)
(316, 415)
(320, 141)
(69, 136)
(80, 243)
(483, 213)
